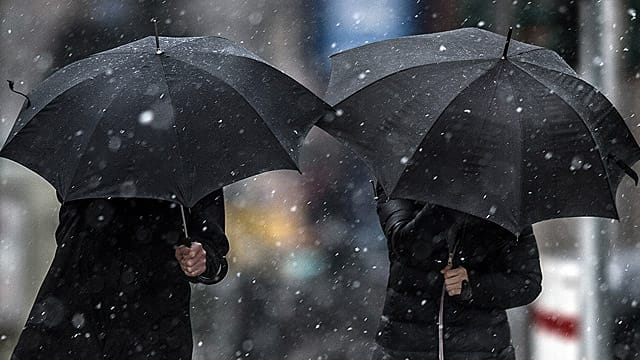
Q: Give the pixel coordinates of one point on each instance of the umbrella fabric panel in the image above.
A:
(232, 142)
(468, 142)
(481, 148)
(609, 130)
(255, 81)
(55, 85)
(53, 134)
(385, 122)
(349, 72)
(113, 134)
(542, 58)
(135, 151)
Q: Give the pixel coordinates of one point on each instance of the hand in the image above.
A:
(453, 279)
(193, 260)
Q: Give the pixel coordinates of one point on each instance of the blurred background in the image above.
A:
(308, 258)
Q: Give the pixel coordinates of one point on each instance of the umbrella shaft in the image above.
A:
(184, 222)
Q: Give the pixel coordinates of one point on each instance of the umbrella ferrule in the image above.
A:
(155, 27)
(506, 45)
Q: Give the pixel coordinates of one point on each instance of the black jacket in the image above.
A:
(114, 289)
(504, 272)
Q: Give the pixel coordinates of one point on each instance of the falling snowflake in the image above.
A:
(146, 117)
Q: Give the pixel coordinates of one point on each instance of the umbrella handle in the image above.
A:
(375, 192)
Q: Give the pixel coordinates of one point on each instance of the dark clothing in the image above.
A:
(503, 271)
(114, 289)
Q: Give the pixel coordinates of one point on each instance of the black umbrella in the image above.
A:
(170, 118)
(462, 120)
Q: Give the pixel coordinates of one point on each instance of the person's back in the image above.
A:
(502, 272)
(115, 289)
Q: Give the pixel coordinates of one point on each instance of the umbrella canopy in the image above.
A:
(170, 121)
(457, 119)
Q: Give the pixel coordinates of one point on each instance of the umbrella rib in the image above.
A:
(528, 51)
(267, 125)
(444, 109)
(407, 69)
(593, 138)
(520, 168)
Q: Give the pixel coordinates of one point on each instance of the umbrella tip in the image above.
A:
(506, 45)
(11, 84)
(626, 168)
(155, 26)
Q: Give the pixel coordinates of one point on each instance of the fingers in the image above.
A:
(193, 260)
(453, 279)
(454, 291)
(460, 271)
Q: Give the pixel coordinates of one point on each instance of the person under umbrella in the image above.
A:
(128, 138)
(471, 141)
(116, 287)
(451, 278)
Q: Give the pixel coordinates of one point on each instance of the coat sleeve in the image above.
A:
(206, 226)
(518, 284)
(414, 232)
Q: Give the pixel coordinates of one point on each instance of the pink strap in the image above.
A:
(441, 326)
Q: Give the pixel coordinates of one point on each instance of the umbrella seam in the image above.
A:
(520, 167)
(485, 118)
(267, 124)
(402, 71)
(437, 117)
(175, 131)
(590, 131)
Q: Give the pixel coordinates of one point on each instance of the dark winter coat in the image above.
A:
(115, 290)
(503, 270)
